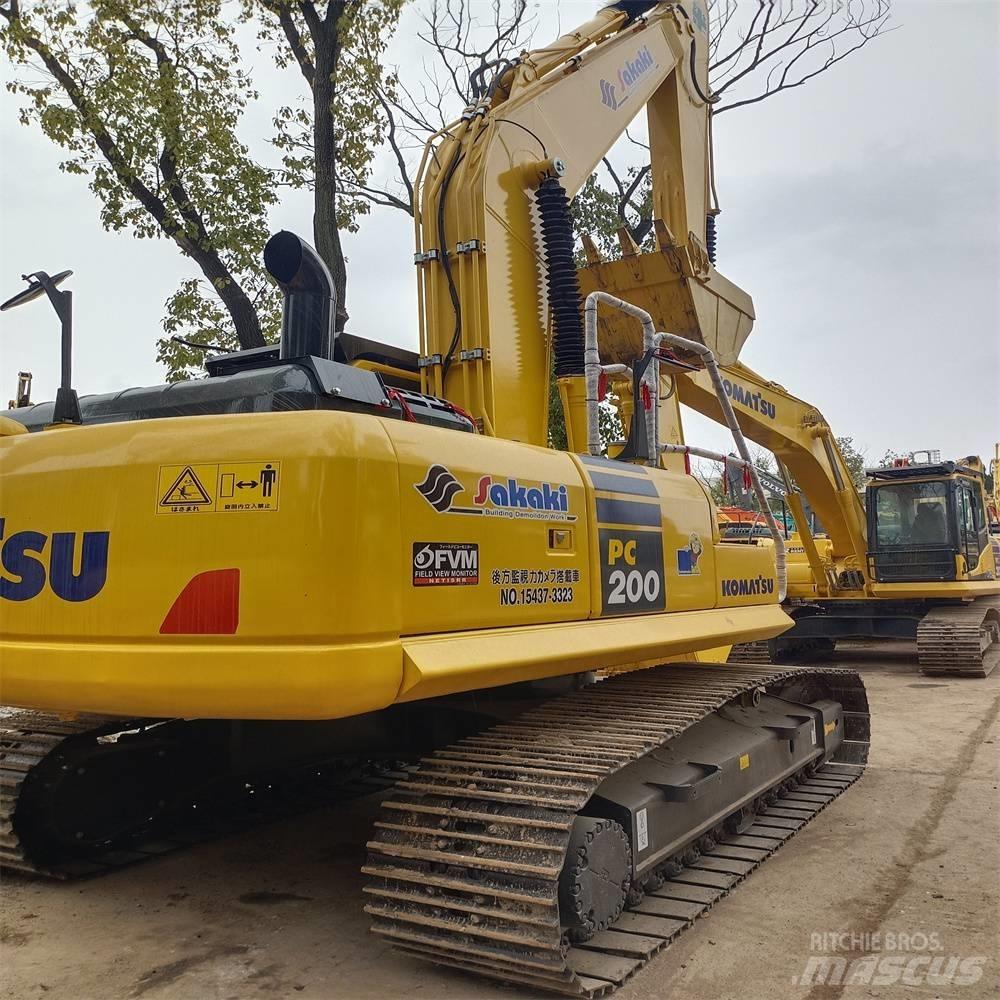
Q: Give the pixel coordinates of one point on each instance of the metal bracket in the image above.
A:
(470, 246)
(476, 354)
(429, 361)
(426, 256)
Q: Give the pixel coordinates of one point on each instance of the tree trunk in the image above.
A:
(240, 308)
(326, 232)
(234, 298)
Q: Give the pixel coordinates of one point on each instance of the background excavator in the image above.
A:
(913, 560)
(218, 594)
(994, 501)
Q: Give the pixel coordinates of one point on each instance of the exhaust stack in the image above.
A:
(307, 320)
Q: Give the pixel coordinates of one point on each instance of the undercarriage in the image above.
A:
(952, 637)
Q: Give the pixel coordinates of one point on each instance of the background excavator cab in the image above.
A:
(926, 522)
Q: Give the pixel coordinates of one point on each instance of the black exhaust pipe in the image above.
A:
(307, 319)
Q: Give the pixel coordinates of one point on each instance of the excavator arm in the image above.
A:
(494, 238)
(807, 452)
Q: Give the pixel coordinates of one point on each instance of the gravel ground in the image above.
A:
(901, 869)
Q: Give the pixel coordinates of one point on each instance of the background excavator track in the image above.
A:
(960, 639)
(465, 863)
(757, 651)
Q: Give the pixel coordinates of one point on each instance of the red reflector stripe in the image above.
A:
(208, 605)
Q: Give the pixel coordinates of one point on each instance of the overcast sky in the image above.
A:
(861, 211)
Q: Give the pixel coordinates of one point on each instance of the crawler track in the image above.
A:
(466, 858)
(26, 739)
(960, 639)
(751, 652)
(33, 745)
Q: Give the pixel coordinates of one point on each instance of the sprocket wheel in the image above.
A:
(596, 877)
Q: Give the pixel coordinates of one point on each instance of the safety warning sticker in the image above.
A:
(218, 488)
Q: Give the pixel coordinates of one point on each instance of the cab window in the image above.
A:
(914, 514)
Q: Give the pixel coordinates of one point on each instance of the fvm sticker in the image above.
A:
(445, 564)
(631, 571)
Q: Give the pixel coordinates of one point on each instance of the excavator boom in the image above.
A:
(491, 221)
(806, 448)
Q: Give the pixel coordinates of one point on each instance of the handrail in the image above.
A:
(712, 366)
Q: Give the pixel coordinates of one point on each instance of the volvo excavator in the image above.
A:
(220, 595)
(913, 561)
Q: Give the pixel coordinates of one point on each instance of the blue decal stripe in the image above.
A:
(628, 512)
(635, 485)
(619, 468)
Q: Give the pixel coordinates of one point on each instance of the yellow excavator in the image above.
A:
(223, 598)
(994, 501)
(914, 560)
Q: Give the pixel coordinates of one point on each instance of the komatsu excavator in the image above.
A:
(913, 561)
(994, 501)
(217, 592)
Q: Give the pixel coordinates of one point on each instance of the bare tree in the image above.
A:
(468, 45)
(785, 45)
(781, 46)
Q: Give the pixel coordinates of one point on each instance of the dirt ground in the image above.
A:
(903, 866)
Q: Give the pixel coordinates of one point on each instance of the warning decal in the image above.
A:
(186, 491)
(218, 488)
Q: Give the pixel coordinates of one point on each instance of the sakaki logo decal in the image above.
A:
(439, 489)
(447, 564)
(495, 497)
(614, 93)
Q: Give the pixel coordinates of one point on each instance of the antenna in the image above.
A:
(67, 408)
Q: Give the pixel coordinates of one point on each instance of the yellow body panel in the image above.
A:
(331, 619)
(462, 662)
(958, 589)
(801, 582)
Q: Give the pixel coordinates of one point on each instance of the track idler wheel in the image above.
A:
(596, 877)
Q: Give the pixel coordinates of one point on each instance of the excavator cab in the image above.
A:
(927, 522)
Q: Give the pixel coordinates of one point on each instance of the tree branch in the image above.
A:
(400, 159)
(294, 38)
